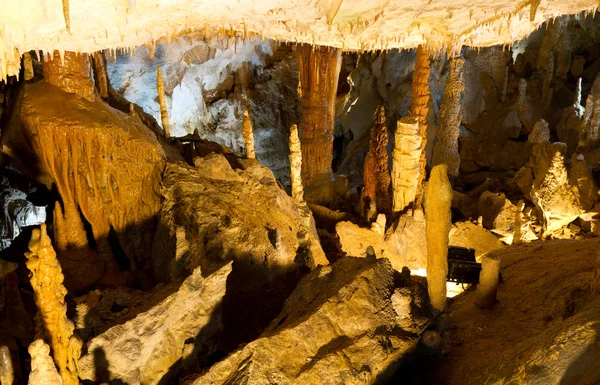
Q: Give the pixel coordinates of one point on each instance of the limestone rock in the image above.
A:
(467, 234)
(354, 241)
(407, 237)
(233, 209)
(97, 158)
(147, 348)
(581, 177)
(353, 323)
(464, 204)
(555, 198)
(43, 371)
(405, 163)
(498, 214)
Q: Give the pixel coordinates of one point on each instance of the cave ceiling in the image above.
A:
(354, 25)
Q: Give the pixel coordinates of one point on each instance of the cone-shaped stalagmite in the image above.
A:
(248, 136)
(406, 157)
(446, 148)
(6, 367)
(438, 200)
(419, 109)
(376, 173)
(164, 115)
(296, 165)
(488, 281)
(43, 371)
(319, 69)
(49, 293)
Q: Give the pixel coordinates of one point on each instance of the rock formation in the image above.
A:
(365, 324)
(152, 345)
(438, 198)
(407, 159)
(419, 108)
(248, 136)
(221, 211)
(43, 371)
(70, 72)
(488, 281)
(498, 214)
(164, 114)
(446, 148)
(296, 165)
(319, 68)
(377, 181)
(46, 280)
(6, 366)
(97, 158)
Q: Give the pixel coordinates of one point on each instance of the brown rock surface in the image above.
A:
(344, 324)
(215, 213)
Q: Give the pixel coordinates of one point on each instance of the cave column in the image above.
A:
(446, 148)
(419, 108)
(70, 72)
(319, 69)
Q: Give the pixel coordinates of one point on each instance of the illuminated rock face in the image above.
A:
(344, 324)
(146, 348)
(350, 24)
(106, 167)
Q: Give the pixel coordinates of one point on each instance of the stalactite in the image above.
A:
(296, 165)
(319, 69)
(49, 293)
(406, 158)
(419, 108)
(438, 201)
(27, 66)
(6, 366)
(377, 178)
(164, 115)
(248, 136)
(446, 148)
(100, 74)
(43, 371)
(66, 14)
(71, 74)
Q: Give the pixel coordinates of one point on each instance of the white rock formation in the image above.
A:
(144, 349)
(91, 25)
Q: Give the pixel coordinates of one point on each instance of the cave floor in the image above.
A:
(543, 284)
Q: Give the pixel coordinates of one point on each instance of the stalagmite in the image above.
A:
(438, 200)
(406, 158)
(49, 293)
(319, 69)
(591, 117)
(577, 101)
(43, 371)
(164, 115)
(446, 148)
(296, 165)
(485, 297)
(27, 66)
(71, 74)
(377, 179)
(6, 366)
(248, 136)
(419, 109)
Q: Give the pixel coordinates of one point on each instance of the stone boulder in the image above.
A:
(498, 214)
(467, 234)
(228, 208)
(149, 346)
(347, 323)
